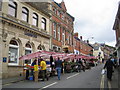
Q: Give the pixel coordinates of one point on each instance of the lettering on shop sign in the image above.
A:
(30, 34)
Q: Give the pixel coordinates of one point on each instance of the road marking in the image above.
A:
(102, 82)
(6, 84)
(72, 75)
(50, 85)
(109, 84)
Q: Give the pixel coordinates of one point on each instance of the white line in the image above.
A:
(72, 75)
(50, 85)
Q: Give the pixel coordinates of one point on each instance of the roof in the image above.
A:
(59, 5)
(116, 23)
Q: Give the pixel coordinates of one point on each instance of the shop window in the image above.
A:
(13, 53)
(35, 19)
(12, 10)
(43, 23)
(25, 14)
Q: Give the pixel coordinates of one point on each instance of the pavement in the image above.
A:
(12, 80)
(114, 84)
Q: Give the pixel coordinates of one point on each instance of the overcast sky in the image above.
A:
(94, 18)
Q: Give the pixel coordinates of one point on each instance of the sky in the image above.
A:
(94, 18)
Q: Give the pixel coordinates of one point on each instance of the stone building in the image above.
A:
(62, 28)
(116, 27)
(24, 28)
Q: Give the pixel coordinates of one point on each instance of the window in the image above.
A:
(55, 48)
(12, 10)
(13, 53)
(28, 50)
(54, 10)
(69, 39)
(43, 23)
(40, 47)
(0, 5)
(35, 19)
(63, 38)
(58, 13)
(58, 33)
(54, 29)
(25, 14)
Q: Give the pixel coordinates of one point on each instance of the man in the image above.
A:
(109, 66)
(43, 69)
(58, 66)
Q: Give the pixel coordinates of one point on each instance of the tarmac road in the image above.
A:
(89, 79)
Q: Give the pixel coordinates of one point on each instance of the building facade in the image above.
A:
(82, 47)
(116, 27)
(98, 51)
(24, 28)
(62, 28)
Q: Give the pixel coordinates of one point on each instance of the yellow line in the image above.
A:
(102, 82)
(109, 84)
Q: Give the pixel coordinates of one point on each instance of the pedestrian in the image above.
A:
(102, 60)
(43, 69)
(27, 71)
(32, 70)
(51, 62)
(58, 66)
(109, 66)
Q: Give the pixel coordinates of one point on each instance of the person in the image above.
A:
(43, 70)
(109, 66)
(51, 62)
(83, 64)
(32, 70)
(27, 72)
(102, 60)
(58, 66)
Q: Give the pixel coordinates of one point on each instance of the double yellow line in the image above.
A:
(102, 82)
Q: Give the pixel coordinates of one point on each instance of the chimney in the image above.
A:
(87, 41)
(76, 34)
(80, 37)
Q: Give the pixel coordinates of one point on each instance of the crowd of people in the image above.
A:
(57, 65)
(64, 66)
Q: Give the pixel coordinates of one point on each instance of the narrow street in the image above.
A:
(88, 79)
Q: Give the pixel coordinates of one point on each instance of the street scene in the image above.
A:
(59, 44)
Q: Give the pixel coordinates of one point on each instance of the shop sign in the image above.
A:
(30, 34)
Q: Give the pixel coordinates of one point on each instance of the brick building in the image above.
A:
(116, 27)
(82, 47)
(62, 28)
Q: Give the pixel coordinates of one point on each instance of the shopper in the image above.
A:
(43, 70)
(109, 66)
(58, 66)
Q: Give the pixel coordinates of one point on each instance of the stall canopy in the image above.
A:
(47, 54)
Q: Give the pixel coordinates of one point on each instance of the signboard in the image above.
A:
(30, 34)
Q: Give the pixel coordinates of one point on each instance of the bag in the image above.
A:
(103, 71)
